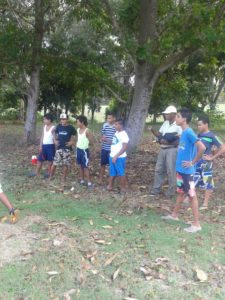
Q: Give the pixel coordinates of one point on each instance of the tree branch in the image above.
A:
(115, 95)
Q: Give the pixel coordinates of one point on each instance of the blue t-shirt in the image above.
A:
(186, 151)
(209, 139)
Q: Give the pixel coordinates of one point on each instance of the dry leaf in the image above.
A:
(201, 275)
(110, 260)
(52, 273)
(91, 222)
(67, 294)
(115, 274)
(101, 242)
(129, 298)
(57, 243)
(107, 227)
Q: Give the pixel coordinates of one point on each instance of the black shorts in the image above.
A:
(105, 157)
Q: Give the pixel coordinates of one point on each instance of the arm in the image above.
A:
(123, 149)
(201, 148)
(155, 132)
(220, 151)
(41, 141)
(90, 137)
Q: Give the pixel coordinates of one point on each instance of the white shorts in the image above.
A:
(1, 191)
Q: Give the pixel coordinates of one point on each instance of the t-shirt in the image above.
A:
(64, 134)
(209, 139)
(186, 151)
(119, 138)
(169, 128)
(108, 131)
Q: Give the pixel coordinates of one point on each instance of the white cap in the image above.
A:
(63, 116)
(170, 110)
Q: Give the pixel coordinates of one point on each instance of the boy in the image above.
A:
(12, 212)
(64, 139)
(168, 136)
(190, 151)
(83, 140)
(47, 146)
(117, 158)
(108, 132)
(203, 174)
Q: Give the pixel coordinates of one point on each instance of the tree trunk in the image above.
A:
(33, 94)
(33, 89)
(139, 108)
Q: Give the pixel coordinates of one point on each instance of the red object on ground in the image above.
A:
(34, 160)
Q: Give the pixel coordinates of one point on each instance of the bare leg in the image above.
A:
(49, 167)
(180, 199)
(208, 194)
(4, 199)
(52, 172)
(123, 183)
(65, 173)
(38, 168)
(81, 173)
(87, 174)
(102, 173)
(194, 206)
(111, 181)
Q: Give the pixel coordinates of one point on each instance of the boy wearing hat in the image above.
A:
(168, 136)
(64, 138)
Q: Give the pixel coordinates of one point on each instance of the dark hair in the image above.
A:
(110, 113)
(49, 117)
(120, 121)
(83, 120)
(186, 114)
(204, 119)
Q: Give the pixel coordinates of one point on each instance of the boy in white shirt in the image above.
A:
(118, 155)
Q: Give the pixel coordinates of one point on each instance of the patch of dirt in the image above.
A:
(16, 240)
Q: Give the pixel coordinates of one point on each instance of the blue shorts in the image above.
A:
(47, 153)
(83, 157)
(105, 157)
(203, 176)
(118, 168)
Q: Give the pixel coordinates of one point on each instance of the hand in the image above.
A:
(163, 142)
(104, 139)
(68, 144)
(208, 157)
(187, 164)
(114, 159)
(40, 150)
(57, 143)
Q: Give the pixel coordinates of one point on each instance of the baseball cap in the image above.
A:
(63, 116)
(170, 110)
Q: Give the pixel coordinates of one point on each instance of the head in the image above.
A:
(119, 124)
(82, 121)
(110, 118)
(170, 113)
(203, 124)
(184, 116)
(64, 119)
(48, 119)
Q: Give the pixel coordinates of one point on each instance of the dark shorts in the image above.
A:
(83, 157)
(185, 184)
(47, 153)
(105, 157)
(118, 168)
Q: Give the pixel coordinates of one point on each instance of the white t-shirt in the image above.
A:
(119, 139)
(169, 128)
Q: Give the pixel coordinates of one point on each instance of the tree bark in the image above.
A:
(34, 86)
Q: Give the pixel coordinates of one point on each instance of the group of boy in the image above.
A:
(57, 143)
(186, 159)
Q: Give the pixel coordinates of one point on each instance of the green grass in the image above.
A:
(139, 239)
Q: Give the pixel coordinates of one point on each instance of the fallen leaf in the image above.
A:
(107, 227)
(129, 298)
(115, 274)
(110, 260)
(201, 275)
(57, 243)
(101, 242)
(52, 273)
(67, 294)
(91, 222)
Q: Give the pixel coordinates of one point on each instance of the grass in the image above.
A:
(139, 238)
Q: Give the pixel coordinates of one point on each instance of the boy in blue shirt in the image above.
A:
(203, 175)
(190, 150)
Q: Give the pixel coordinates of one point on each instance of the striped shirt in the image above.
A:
(108, 131)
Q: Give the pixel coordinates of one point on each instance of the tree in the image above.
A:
(156, 35)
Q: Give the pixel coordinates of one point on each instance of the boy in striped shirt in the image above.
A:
(108, 131)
